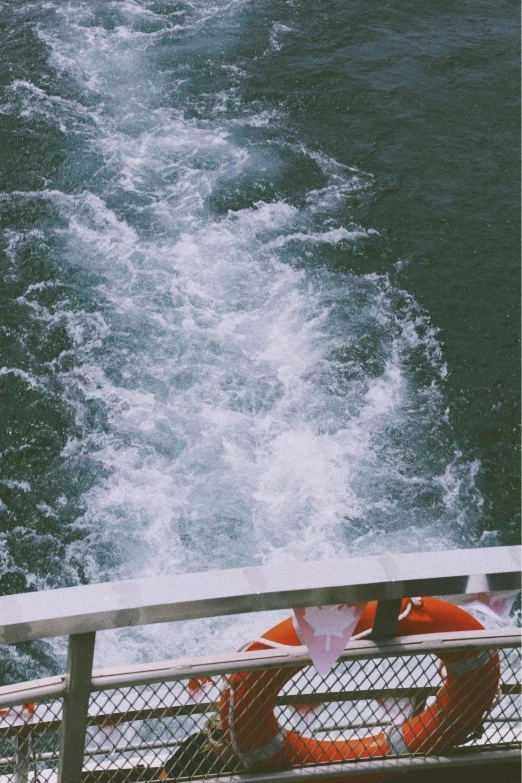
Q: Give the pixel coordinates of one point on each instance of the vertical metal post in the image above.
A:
(386, 618)
(78, 680)
(22, 758)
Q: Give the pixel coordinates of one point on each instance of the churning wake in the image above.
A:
(239, 395)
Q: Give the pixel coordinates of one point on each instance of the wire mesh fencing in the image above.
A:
(216, 724)
(29, 741)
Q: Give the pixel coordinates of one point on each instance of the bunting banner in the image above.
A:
(308, 713)
(497, 605)
(326, 630)
(396, 710)
(14, 714)
(199, 687)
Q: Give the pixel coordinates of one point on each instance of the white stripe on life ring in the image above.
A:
(395, 741)
(266, 751)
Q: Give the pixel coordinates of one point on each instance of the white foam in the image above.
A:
(13, 484)
(29, 379)
(255, 412)
(332, 237)
(277, 34)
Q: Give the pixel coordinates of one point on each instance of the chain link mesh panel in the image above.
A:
(29, 742)
(181, 729)
(212, 726)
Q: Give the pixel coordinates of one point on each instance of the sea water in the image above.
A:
(259, 291)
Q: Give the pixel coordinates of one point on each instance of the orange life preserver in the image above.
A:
(470, 687)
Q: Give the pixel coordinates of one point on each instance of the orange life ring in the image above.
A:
(470, 686)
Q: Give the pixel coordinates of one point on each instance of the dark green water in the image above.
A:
(260, 285)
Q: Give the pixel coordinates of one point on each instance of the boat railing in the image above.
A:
(123, 724)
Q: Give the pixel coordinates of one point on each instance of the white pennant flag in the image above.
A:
(397, 710)
(308, 713)
(326, 630)
(497, 605)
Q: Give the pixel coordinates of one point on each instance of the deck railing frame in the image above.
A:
(80, 612)
(170, 671)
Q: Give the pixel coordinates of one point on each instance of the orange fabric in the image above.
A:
(250, 724)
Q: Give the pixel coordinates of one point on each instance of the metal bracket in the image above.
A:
(78, 679)
(386, 618)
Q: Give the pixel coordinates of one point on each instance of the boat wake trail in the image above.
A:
(241, 396)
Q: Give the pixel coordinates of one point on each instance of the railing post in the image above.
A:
(386, 618)
(78, 679)
(22, 758)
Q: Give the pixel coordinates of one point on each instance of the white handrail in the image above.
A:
(97, 607)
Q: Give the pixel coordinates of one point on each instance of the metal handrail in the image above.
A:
(368, 766)
(96, 607)
(206, 666)
(262, 660)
